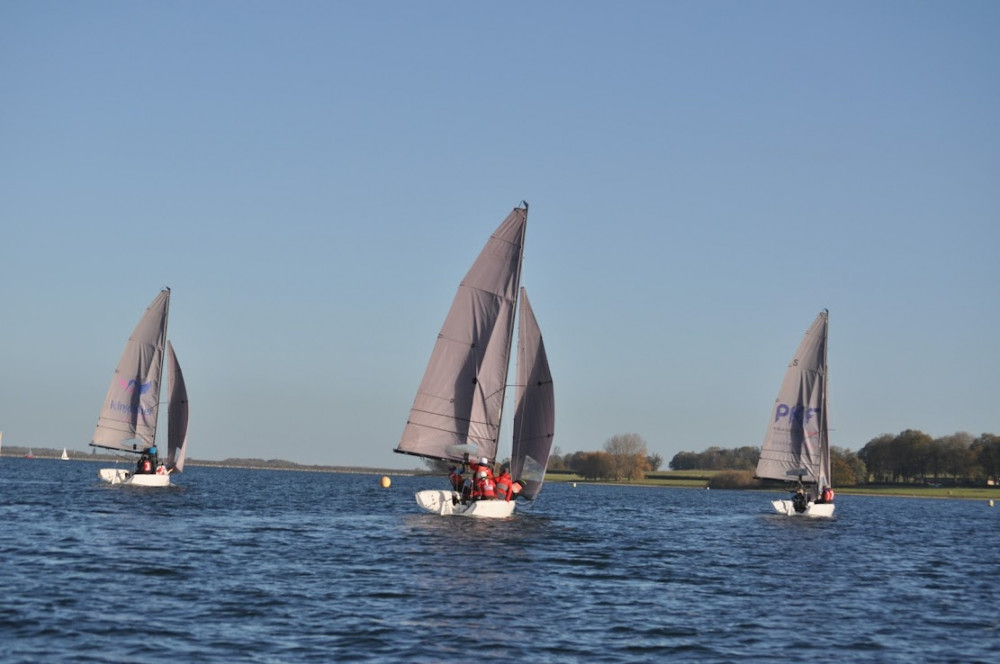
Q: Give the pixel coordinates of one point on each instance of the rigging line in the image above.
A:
(500, 296)
(447, 416)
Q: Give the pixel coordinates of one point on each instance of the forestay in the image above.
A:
(132, 403)
(534, 416)
(460, 398)
(797, 441)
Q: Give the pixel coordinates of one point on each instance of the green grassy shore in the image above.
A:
(699, 479)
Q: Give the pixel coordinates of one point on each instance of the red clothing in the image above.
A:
(476, 467)
(505, 486)
(828, 495)
(484, 489)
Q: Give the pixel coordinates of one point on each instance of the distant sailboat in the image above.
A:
(456, 412)
(127, 422)
(797, 443)
(65, 456)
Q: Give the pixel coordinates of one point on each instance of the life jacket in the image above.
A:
(477, 467)
(147, 467)
(503, 486)
(456, 480)
(828, 495)
(161, 470)
(485, 488)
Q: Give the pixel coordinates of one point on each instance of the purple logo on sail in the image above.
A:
(143, 387)
(794, 413)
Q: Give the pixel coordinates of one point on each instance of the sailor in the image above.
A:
(455, 477)
(467, 490)
(504, 484)
(483, 465)
(800, 501)
(826, 496)
(145, 466)
(161, 470)
(484, 488)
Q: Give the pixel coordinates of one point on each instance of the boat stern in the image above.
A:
(122, 476)
(787, 508)
(447, 503)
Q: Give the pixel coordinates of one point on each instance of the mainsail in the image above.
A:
(460, 398)
(535, 414)
(797, 442)
(128, 417)
(177, 413)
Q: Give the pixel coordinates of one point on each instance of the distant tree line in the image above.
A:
(624, 457)
(716, 458)
(913, 456)
(909, 457)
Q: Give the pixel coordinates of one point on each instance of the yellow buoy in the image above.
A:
(386, 482)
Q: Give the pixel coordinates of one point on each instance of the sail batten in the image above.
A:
(460, 398)
(796, 444)
(128, 417)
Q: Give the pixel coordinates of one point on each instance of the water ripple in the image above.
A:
(267, 566)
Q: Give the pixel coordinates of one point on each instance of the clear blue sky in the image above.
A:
(313, 179)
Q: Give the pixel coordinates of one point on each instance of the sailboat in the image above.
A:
(797, 444)
(127, 422)
(65, 456)
(457, 410)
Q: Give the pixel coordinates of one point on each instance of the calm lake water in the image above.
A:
(269, 566)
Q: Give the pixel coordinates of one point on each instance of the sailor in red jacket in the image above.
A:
(504, 484)
(484, 488)
(483, 465)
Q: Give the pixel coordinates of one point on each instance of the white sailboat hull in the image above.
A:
(446, 503)
(787, 508)
(121, 476)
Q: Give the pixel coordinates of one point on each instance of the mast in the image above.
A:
(825, 469)
(166, 318)
(510, 327)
